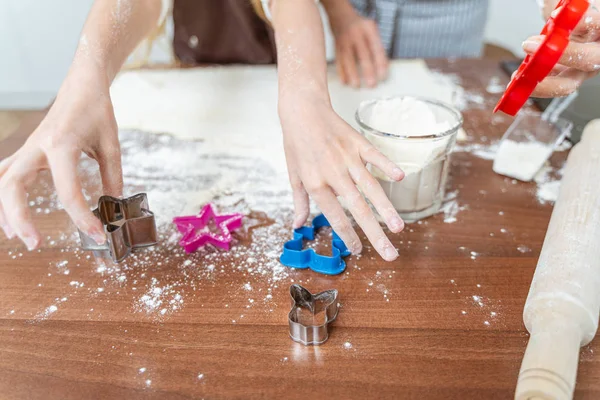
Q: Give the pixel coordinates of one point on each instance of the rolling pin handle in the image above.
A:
(549, 368)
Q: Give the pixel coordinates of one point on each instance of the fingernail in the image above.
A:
(398, 173)
(30, 242)
(371, 82)
(355, 84)
(396, 224)
(97, 236)
(390, 253)
(555, 12)
(356, 248)
(530, 46)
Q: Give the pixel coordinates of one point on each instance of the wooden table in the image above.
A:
(438, 323)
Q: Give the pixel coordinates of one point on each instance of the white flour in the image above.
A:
(406, 116)
(423, 160)
(521, 160)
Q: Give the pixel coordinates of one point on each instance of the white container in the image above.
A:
(424, 156)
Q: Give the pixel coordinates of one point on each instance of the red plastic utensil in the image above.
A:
(537, 66)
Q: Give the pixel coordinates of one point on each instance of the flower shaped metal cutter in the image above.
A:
(196, 229)
(295, 256)
(309, 333)
(128, 224)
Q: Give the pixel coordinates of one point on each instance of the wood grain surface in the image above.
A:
(442, 322)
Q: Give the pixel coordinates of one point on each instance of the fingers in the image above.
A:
(64, 173)
(340, 69)
(111, 171)
(364, 216)
(8, 232)
(369, 154)
(562, 84)
(582, 56)
(377, 51)
(374, 192)
(15, 213)
(329, 205)
(301, 202)
(348, 62)
(365, 60)
(588, 28)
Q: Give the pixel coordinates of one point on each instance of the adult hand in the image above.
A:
(80, 120)
(327, 158)
(580, 61)
(358, 47)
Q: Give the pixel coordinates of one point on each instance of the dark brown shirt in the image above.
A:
(221, 32)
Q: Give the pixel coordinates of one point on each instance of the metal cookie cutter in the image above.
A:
(295, 257)
(128, 224)
(309, 334)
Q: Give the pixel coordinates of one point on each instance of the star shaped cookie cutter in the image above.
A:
(128, 225)
(295, 256)
(196, 229)
(310, 333)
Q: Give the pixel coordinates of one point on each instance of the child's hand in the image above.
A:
(326, 158)
(581, 60)
(358, 46)
(80, 120)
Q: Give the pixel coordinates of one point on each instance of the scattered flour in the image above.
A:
(548, 184)
(495, 86)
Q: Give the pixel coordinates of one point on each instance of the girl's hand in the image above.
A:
(358, 47)
(80, 120)
(327, 158)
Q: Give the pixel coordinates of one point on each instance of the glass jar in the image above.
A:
(425, 159)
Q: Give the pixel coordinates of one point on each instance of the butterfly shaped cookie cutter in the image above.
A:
(310, 333)
(295, 257)
(128, 225)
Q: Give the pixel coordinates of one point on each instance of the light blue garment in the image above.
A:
(428, 28)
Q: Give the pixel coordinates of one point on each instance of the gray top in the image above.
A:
(428, 28)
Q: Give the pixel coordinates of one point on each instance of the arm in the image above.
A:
(80, 120)
(326, 157)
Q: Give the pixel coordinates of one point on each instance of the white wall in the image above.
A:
(512, 21)
(37, 42)
(38, 39)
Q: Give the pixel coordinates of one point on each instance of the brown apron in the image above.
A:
(221, 32)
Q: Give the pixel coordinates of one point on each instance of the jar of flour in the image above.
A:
(418, 135)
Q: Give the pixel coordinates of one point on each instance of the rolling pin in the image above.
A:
(563, 305)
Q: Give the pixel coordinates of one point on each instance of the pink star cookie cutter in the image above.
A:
(196, 229)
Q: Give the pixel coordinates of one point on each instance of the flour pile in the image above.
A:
(406, 116)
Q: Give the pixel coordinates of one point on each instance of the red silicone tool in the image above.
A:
(537, 66)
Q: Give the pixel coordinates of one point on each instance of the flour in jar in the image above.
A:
(408, 116)
(417, 136)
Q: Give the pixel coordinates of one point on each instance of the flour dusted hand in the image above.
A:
(580, 61)
(80, 120)
(327, 158)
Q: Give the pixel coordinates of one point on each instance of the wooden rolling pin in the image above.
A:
(562, 309)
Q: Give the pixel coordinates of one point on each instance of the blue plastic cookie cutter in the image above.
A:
(295, 257)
